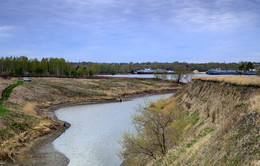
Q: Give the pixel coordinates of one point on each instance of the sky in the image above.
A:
(194, 31)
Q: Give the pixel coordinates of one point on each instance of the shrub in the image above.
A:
(159, 126)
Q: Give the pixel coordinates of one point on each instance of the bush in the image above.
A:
(159, 126)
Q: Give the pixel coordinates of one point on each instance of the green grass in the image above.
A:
(7, 92)
(19, 126)
(194, 118)
(201, 123)
(203, 134)
(233, 161)
(241, 105)
(3, 111)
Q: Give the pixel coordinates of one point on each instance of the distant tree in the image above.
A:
(2, 65)
(79, 72)
(11, 73)
(39, 71)
(179, 73)
(156, 74)
(241, 67)
(90, 74)
(246, 66)
(19, 72)
(250, 65)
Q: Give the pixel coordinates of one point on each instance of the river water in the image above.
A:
(92, 139)
(185, 79)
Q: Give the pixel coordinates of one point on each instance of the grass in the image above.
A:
(194, 118)
(241, 105)
(14, 123)
(201, 123)
(19, 126)
(203, 134)
(7, 92)
(3, 111)
(234, 161)
(236, 80)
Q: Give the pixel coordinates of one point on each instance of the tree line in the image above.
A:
(23, 66)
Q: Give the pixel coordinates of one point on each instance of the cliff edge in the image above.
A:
(226, 132)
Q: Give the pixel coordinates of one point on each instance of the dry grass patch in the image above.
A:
(30, 109)
(236, 80)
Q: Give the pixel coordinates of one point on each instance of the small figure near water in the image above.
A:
(120, 100)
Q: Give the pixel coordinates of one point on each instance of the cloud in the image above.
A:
(213, 15)
(180, 27)
(19, 53)
(5, 31)
(100, 14)
(217, 15)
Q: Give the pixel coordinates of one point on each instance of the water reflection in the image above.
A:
(185, 78)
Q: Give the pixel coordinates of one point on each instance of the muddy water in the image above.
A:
(92, 139)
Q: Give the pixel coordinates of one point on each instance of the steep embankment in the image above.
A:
(228, 123)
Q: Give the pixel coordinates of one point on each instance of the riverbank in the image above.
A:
(44, 95)
(226, 123)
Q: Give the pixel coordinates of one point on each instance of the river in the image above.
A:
(185, 79)
(92, 139)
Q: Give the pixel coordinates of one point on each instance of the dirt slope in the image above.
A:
(227, 130)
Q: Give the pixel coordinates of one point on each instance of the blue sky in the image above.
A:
(132, 30)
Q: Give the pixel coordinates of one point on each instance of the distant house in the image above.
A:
(27, 79)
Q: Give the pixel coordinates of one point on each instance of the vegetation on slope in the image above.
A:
(160, 126)
(3, 111)
(221, 127)
(227, 130)
(235, 80)
(13, 124)
(7, 92)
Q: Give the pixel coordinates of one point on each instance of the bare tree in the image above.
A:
(188, 77)
(155, 132)
(179, 73)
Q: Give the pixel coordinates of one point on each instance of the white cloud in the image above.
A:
(217, 16)
(5, 31)
(19, 53)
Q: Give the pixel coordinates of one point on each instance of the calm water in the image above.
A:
(185, 79)
(92, 139)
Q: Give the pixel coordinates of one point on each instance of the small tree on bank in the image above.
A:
(158, 128)
(179, 73)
